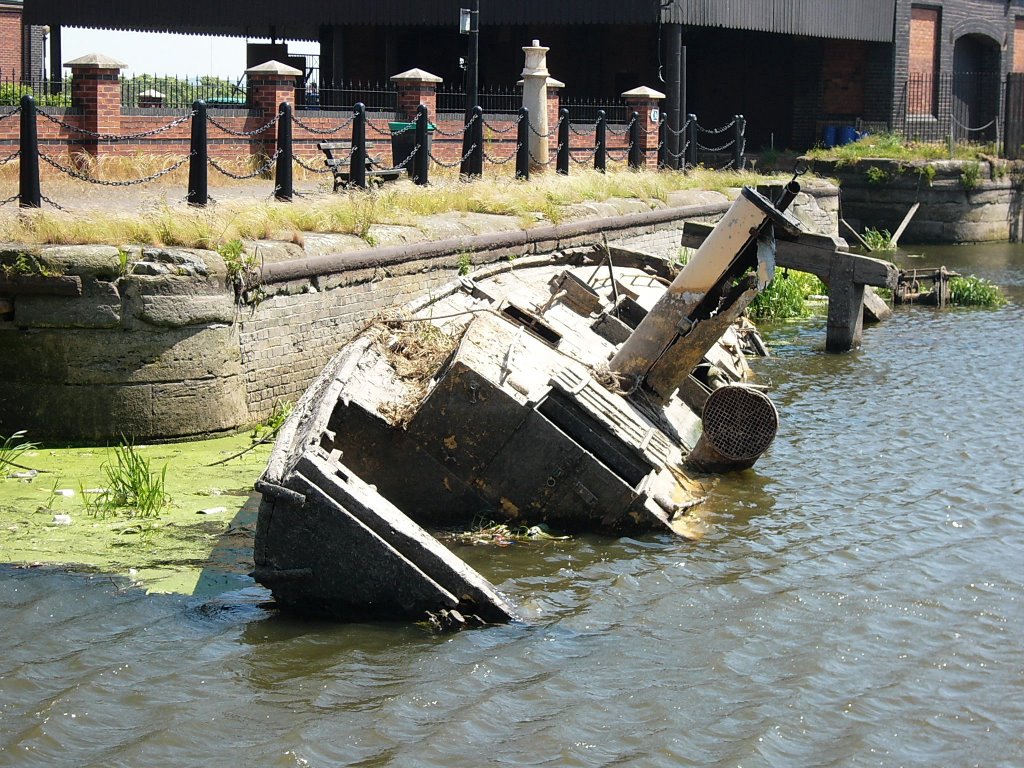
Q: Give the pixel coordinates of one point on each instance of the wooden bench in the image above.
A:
(341, 166)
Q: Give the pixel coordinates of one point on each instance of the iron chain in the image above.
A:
(105, 183)
(309, 168)
(8, 200)
(494, 160)
(457, 162)
(586, 159)
(714, 131)
(963, 127)
(325, 131)
(578, 133)
(405, 162)
(722, 148)
(621, 157)
(10, 157)
(45, 199)
(533, 157)
(547, 135)
(212, 121)
(411, 126)
(504, 130)
(243, 177)
(624, 131)
(466, 127)
(12, 113)
(115, 136)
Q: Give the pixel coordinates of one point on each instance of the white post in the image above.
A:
(535, 98)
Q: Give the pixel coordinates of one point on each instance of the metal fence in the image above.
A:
(961, 106)
(495, 100)
(49, 93)
(584, 110)
(377, 97)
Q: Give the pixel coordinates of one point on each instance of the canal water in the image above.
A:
(858, 601)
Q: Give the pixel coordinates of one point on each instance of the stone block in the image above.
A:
(177, 311)
(99, 306)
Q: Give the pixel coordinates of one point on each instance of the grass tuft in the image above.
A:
(786, 296)
(132, 486)
(974, 291)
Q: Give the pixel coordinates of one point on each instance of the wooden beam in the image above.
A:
(817, 254)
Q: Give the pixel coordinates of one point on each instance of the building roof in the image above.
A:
(301, 19)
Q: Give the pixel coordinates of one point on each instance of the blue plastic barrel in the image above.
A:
(828, 136)
(847, 134)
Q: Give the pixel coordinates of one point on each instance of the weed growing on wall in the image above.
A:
(970, 176)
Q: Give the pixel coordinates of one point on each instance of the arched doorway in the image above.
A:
(976, 87)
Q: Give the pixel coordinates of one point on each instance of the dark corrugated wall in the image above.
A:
(844, 19)
(300, 19)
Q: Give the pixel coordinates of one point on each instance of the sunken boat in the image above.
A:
(566, 390)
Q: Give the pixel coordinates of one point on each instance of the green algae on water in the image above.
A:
(200, 541)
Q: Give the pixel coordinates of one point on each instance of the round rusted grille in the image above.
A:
(740, 422)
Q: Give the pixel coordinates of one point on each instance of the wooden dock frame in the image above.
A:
(846, 275)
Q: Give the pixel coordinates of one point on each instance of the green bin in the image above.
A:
(402, 144)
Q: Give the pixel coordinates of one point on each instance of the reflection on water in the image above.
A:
(858, 602)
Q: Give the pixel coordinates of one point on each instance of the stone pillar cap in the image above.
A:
(550, 83)
(643, 92)
(416, 75)
(153, 94)
(273, 68)
(96, 61)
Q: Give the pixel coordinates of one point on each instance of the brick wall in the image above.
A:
(1018, 44)
(843, 75)
(10, 43)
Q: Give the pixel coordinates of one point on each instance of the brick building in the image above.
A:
(21, 45)
(791, 67)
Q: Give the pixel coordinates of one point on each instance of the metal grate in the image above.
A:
(740, 422)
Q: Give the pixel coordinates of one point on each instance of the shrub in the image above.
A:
(974, 291)
(786, 296)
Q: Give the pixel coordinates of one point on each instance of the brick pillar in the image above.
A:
(269, 84)
(416, 87)
(645, 102)
(554, 104)
(96, 91)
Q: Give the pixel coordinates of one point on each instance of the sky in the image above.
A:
(164, 54)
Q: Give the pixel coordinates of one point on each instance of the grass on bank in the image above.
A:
(545, 198)
(892, 146)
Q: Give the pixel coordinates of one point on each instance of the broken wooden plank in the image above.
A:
(875, 308)
(895, 239)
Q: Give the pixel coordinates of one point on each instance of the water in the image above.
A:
(860, 601)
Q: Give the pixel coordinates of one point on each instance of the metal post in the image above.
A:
(29, 193)
(691, 141)
(421, 159)
(675, 108)
(600, 142)
(523, 145)
(663, 145)
(562, 159)
(636, 152)
(472, 89)
(739, 129)
(283, 188)
(474, 164)
(357, 169)
(198, 164)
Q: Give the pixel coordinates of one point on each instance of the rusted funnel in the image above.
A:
(740, 423)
